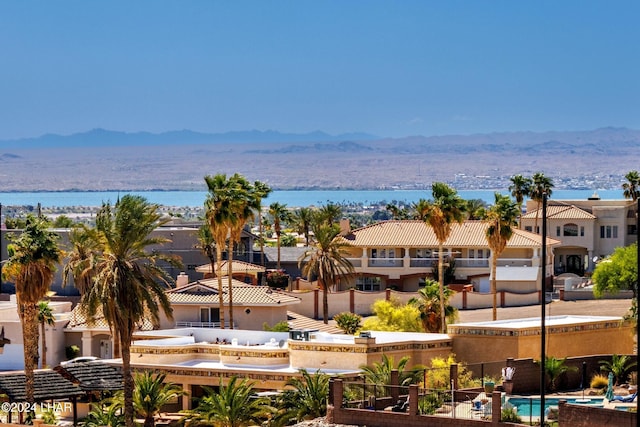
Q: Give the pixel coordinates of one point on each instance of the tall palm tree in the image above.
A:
(428, 303)
(151, 394)
(45, 317)
(443, 210)
(326, 260)
(242, 204)
(520, 188)
(33, 255)
(126, 283)
(303, 218)
(280, 215)
(540, 185)
(396, 212)
(631, 188)
(234, 405)
(261, 191)
(85, 245)
(218, 213)
(500, 218)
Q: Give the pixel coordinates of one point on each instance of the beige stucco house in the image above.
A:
(401, 253)
(586, 230)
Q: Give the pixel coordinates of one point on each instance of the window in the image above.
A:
(570, 230)
(631, 230)
(528, 228)
(209, 314)
(608, 231)
(581, 231)
(368, 283)
(558, 230)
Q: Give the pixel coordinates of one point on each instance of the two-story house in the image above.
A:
(588, 230)
(400, 254)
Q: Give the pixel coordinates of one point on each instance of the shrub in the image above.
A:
(510, 415)
(348, 322)
(278, 327)
(429, 404)
(438, 376)
(599, 381)
(72, 351)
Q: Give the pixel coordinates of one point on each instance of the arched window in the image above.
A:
(570, 230)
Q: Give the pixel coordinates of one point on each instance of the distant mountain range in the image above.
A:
(109, 138)
(108, 160)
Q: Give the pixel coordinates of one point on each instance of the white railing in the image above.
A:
(385, 262)
(201, 324)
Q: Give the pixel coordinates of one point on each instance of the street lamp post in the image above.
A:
(543, 332)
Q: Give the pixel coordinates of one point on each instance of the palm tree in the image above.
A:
(420, 209)
(540, 185)
(151, 394)
(396, 212)
(445, 209)
(329, 214)
(428, 303)
(207, 245)
(520, 188)
(303, 218)
(261, 191)
(475, 209)
(619, 365)
(500, 218)
(631, 188)
(126, 283)
(243, 203)
(280, 214)
(234, 405)
(45, 317)
(380, 372)
(218, 213)
(85, 245)
(108, 413)
(33, 256)
(326, 260)
(554, 367)
(308, 399)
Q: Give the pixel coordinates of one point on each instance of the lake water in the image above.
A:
(292, 198)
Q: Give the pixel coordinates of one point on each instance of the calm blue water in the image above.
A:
(531, 406)
(291, 198)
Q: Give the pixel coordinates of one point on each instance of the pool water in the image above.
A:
(528, 406)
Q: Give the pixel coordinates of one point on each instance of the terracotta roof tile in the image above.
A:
(560, 212)
(48, 385)
(417, 234)
(206, 292)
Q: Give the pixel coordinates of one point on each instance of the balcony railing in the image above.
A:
(423, 262)
(356, 262)
(200, 324)
(515, 262)
(385, 262)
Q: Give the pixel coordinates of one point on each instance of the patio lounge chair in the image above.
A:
(625, 399)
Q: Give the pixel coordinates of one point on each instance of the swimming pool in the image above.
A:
(528, 406)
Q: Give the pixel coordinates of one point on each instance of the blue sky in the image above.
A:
(391, 68)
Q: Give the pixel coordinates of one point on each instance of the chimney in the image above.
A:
(182, 280)
(345, 226)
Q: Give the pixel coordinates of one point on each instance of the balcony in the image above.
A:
(385, 262)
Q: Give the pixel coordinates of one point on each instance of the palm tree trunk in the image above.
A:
(278, 244)
(125, 349)
(260, 230)
(30, 327)
(494, 291)
(325, 303)
(230, 282)
(220, 289)
(44, 344)
(443, 319)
